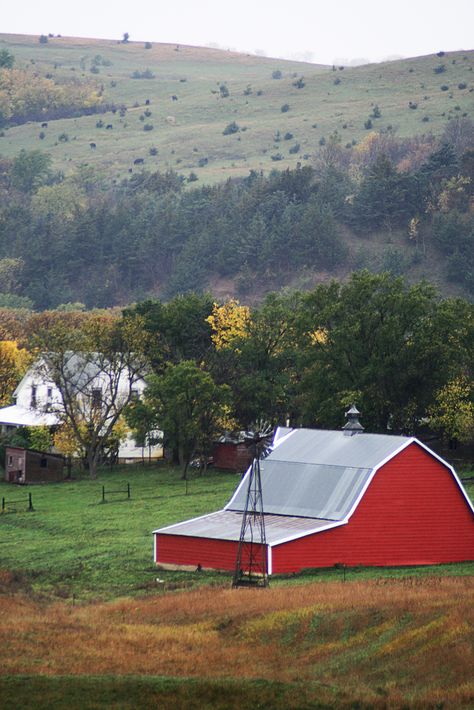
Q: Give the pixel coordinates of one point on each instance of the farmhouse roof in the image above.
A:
(15, 415)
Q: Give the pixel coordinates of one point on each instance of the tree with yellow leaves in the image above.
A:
(14, 362)
(453, 411)
(229, 322)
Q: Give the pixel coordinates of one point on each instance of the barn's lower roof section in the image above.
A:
(226, 525)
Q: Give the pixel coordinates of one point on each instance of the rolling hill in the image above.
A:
(169, 105)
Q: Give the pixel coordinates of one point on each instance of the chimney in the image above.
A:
(353, 425)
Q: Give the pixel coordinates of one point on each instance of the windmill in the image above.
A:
(251, 562)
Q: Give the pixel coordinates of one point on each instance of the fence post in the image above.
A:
(30, 502)
(103, 494)
(128, 490)
(3, 504)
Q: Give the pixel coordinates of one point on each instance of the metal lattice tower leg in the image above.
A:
(251, 563)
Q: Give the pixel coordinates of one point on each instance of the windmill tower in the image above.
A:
(251, 562)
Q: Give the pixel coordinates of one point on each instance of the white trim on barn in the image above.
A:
(312, 531)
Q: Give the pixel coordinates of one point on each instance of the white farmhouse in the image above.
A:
(37, 401)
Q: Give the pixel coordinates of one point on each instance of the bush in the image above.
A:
(247, 90)
(94, 69)
(231, 128)
(285, 108)
(202, 162)
(43, 39)
(99, 123)
(42, 135)
(440, 54)
(148, 127)
(277, 156)
(299, 83)
(288, 136)
(412, 105)
(376, 112)
(440, 69)
(63, 138)
(147, 113)
(224, 91)
(462, 85)
(294, 149)
(192, 177)
(277, 74)
(368, 124)
(425, 119)
(336, 81)
(148, 45)
(153, 151)
(146, 74)
(444, 87)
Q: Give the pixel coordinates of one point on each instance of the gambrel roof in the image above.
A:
(312, 481)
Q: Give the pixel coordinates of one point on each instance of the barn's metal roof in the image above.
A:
(226, 525)
(312, 481)
(317, 473)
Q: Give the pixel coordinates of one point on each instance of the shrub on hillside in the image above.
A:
(299, 83)
(146, 74)
(277, 74)
(285, 108)
(231, 128)
(440, 69)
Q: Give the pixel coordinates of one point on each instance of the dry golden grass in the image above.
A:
(388, 642)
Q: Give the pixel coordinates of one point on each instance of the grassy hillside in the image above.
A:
(331, 645)
(187, 132)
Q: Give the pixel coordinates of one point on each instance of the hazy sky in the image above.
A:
(298, 29)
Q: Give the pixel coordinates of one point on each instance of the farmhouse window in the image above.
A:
(33, 396)
(96, 398)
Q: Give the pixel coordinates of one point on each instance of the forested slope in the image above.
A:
(119, 178)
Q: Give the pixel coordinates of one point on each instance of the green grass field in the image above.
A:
(189, 131)
(73, 546)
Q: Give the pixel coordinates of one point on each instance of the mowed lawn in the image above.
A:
(86, 621)
(73, 544)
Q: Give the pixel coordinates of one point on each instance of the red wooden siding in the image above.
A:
(413, 512)
(231, 456)
(185, 550)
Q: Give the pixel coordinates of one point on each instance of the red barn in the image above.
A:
(337, 497)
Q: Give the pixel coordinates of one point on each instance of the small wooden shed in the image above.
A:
(232, 455)
(29, 466)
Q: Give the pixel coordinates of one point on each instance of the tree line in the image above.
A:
(400, 351)
(82, 239)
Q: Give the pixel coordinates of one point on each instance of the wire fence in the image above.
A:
(10, 506)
